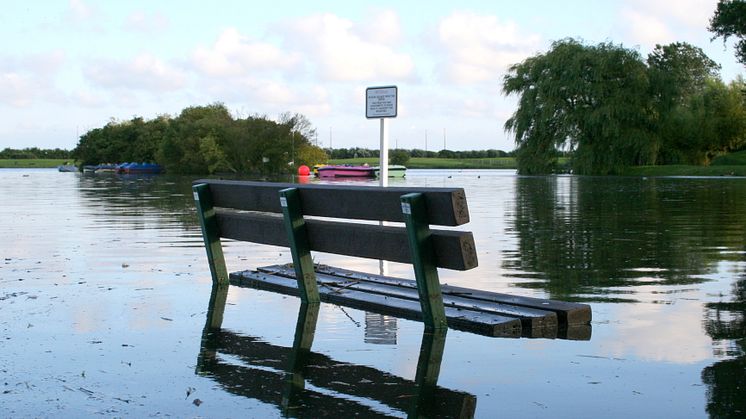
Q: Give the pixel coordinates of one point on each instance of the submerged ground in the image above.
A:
(104, 292)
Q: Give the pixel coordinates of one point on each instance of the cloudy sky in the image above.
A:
(70, 66)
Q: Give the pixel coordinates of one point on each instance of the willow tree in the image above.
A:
(729, 20)
(591, 100)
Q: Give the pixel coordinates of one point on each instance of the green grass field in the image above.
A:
(30, 163)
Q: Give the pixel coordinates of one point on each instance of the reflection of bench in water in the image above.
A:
(288, 215)
(246, 366)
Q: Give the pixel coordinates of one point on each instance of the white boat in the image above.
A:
(395, 170)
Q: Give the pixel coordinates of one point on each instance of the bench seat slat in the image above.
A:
(487, 324)
(446, 206)
(454, 249)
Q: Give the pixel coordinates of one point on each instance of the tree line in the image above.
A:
(355, 152)
(205, 139)
(35, 153)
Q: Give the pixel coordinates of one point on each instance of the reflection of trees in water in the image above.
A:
(131, 199)
(585, 235)
(725, 322)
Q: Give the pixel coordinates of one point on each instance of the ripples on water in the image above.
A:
(105, 289)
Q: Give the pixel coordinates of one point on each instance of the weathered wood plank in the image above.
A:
(471, 321)
(446, 206)
(535, 322)
(453, 249)
(567, 313)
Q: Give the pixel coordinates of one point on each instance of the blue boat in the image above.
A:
(135, 168)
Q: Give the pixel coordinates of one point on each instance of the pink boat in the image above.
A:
(346, 171)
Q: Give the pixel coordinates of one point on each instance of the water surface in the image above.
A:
(104, 292)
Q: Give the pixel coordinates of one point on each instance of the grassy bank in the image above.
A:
(30, 163)
(719, 167)
(438, 163)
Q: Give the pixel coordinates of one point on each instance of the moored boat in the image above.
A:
(395, 170)
(346, 171)
(135, 168)
(315, 169)
(106, 168)
(67, 168)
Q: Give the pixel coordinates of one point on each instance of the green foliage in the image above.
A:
(737, 158)
(586, 99)
(708, 124)
(728, 21)
(310, 155)
(204, 139)
(678, 71)
(607, 109)
(399, 157)
(34, 153)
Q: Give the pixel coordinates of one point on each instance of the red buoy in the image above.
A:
(303, 170)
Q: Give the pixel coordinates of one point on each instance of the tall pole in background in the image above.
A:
(383, 157)
(381, 103)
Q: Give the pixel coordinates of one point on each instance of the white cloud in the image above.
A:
(479, 48)
(16, 89)
(144, 72)
(272, 96)
(646, 29)
(340, 51)
(650, 22)
(692, 14)
(140, 21)
(80, 10)
(381, 27)
(233, 54)
(89, 99)
(23, 81)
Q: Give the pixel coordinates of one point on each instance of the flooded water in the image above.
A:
(105, 289)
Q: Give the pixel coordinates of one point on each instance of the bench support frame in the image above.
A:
(210, 234)
(300, 248)
(414, 209)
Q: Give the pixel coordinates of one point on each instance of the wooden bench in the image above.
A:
(337, 219)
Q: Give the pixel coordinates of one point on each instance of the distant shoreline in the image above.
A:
(439, 163)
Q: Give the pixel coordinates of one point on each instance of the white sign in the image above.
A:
(380, 102)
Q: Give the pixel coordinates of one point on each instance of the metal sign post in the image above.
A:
(382, 103)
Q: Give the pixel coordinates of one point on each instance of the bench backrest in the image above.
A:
(251, 211)
(305, 218)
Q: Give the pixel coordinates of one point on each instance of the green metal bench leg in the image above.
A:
(210, 233)
(299, 245)
(423, 259)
